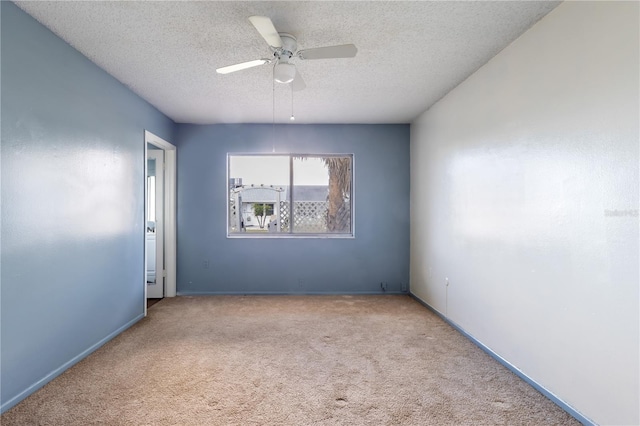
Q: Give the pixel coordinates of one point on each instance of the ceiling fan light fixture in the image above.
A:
(284, 72)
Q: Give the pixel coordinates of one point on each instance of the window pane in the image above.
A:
(322, 194)
(257, 191)
(261, 200)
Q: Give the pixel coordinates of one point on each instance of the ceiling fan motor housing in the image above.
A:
(289, 46)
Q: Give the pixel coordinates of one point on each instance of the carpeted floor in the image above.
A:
(288, 360)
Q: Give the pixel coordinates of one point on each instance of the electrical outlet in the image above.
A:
(205, 264)
(383, 286)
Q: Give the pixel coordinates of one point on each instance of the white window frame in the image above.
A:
(291, 234)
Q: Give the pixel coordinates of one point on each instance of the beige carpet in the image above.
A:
(288, 360)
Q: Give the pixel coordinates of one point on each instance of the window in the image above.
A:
(290, 195)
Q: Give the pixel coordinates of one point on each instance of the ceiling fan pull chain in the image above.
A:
(273, 120)
(292, 116)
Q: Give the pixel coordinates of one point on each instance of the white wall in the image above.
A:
(528, 176)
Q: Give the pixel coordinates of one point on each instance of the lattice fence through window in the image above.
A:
(310, 216)
(284, 216)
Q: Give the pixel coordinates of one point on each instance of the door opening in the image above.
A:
(159, 219)
(155, 223)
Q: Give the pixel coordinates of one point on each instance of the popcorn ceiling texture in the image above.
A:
(288, 360)
(410, 54)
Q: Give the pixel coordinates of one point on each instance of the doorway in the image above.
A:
(155, 223)
(159, 220)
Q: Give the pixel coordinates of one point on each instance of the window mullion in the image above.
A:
(291, 218)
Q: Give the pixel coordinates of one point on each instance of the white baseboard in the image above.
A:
(559, 402)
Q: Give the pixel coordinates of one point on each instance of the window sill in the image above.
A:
(289, 236)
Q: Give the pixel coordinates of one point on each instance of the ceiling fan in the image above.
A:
(285, 48)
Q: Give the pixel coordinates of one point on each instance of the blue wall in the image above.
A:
(72, 208)
(72, 204)
(378, 253)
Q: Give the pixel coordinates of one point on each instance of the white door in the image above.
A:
(155, 224)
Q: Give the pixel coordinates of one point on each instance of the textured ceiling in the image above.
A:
(410, 54)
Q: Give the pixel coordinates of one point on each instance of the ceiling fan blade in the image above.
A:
(329, 52)
(266, 29)
(298, 83)
(242, 66)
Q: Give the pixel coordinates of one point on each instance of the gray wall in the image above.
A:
(72, 204)
(524, 194)
(379, 252)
